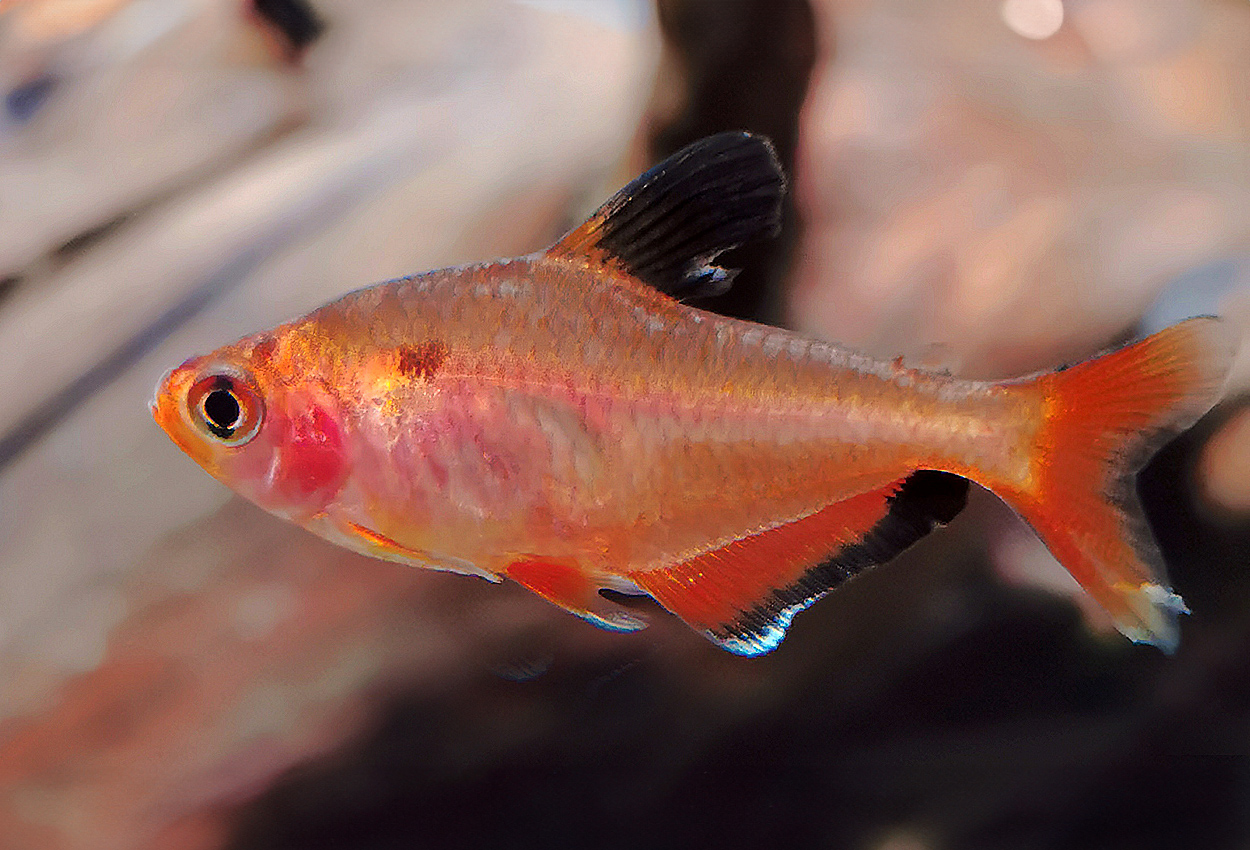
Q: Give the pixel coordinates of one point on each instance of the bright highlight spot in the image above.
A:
(1035, 19)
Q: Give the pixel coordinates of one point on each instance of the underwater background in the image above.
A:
(987, 187)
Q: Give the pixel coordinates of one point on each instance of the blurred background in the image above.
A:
(985, 186)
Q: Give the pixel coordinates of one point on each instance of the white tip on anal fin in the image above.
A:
(1157, 608)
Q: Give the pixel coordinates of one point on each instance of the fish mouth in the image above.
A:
(164, 404)
(158, 392)
(168, 414)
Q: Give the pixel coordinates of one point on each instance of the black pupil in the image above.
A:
(221, 409)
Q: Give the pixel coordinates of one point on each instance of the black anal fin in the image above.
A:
(744, 595)
(667, 226)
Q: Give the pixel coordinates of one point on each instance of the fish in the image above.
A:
(568, 421)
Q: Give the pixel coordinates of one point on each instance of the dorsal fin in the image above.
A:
(667, 226)
(744, 595)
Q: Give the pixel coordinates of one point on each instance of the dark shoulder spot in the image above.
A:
(422, 361)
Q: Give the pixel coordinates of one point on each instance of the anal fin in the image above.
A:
(744, 595)
(565, 585)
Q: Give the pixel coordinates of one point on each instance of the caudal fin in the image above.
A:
(1104, 418)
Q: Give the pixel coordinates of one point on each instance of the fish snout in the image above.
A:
(168, 406)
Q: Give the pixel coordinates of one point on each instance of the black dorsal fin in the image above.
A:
(667, 226)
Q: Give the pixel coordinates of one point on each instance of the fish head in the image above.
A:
(262, 424)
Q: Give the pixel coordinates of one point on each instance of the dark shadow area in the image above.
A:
(742, 65)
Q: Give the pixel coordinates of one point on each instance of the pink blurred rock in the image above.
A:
(163, 656)
(1018, 201)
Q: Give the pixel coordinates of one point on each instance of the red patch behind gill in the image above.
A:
(313, 456)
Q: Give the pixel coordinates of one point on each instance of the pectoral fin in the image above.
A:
(380, 546)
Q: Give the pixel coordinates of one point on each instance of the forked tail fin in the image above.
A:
(1103, 420)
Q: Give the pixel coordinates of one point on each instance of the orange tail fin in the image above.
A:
(1104, 419)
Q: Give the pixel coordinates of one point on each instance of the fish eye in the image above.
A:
(226, 408)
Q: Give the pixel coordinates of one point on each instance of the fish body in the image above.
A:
(563, 420)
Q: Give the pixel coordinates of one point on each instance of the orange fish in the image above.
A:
(564, 420)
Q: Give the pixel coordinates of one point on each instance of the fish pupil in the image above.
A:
(221, 413)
